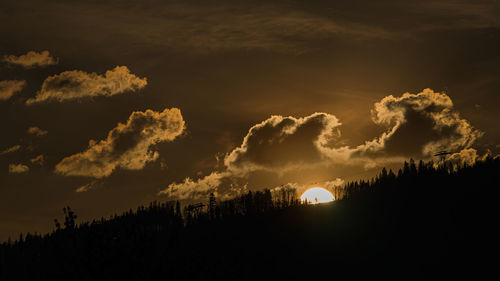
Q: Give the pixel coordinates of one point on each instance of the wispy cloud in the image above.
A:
(87, 187)
(271, 28)
(200, 28)
(461, 14)
(76, 84)
(283, 26)
(10, 149)
(197, 27)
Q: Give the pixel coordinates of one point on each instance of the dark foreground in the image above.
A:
(421, 224)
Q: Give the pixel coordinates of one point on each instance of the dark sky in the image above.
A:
(106, 105)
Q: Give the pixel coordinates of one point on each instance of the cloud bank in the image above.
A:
(10, 87)
(128, 146)
(76, 84)
(32, 59)
(415, 125)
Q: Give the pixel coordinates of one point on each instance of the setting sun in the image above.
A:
(317, 195)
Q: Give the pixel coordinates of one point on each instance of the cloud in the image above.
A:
(420, 125)
(190, 189)
(10, 87)
(415, 125)
(32, 59)
(127, 146)
(18, 168)
(37, 131)
(10, 149)
(467, 156)
(76, 84)
(38, 160)
(331, 185)
(283, 142)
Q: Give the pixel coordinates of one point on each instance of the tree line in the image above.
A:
(216, 240)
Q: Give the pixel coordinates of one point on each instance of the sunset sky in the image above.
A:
(106, 105)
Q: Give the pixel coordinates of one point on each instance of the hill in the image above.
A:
(423, 222)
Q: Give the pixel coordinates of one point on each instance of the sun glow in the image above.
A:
(317, 195)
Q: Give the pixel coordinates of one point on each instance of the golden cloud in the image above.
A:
(127, 146)
(39, 160)
(18, 168)
(37, 131)
(32, 59)
(10, 87)
(10, 149)
(76, 84)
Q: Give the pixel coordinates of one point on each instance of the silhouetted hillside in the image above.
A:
(422, 222)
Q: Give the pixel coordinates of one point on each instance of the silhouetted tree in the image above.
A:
(212, 204)
(69, 218)
(58, 225)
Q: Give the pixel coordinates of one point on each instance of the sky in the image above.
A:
(107, 105)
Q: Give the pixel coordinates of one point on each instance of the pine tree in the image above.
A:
(212, 204)
(69, 218)
(58, 225)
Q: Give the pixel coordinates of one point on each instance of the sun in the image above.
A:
(317, 195)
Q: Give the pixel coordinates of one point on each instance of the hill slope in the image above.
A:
(413, 225)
